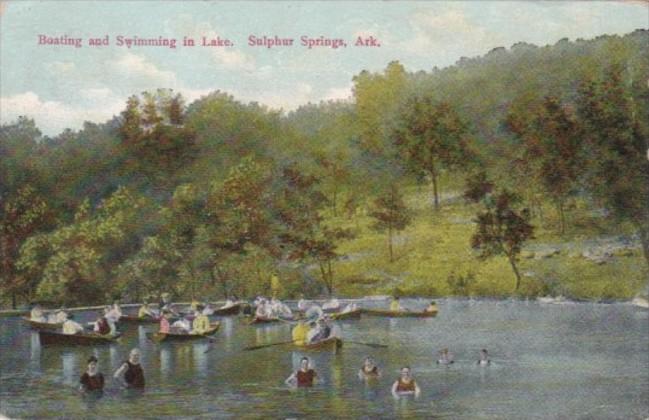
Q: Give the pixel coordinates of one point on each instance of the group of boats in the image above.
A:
(51, 333)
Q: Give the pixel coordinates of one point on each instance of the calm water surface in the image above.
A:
(548, 361)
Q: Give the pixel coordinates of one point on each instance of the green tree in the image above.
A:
(502, 229)
(391, 214)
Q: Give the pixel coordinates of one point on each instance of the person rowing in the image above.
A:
(130, 373)
(201, 323)
(92, 380)
(483, 359)
(145, 311)
(37, 314)
(165, 327)
(305, 376)
(299, 333)
(406, 384)
(369, 370)
(102, 326)
(445, 358)
(71, 327)
(395, 305)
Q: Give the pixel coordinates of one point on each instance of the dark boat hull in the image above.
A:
(232, 310)
(86, 339)
(328, 344)
(400, 314)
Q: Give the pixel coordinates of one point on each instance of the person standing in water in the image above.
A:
(92, 379)
(303, 377)
(406, 384)
(483, 359)
(369, 370)
(445, 358)
(131, 373)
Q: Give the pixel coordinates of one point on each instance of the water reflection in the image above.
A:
(35, 352)
(200, 360)
(165, 361)
(71, 369)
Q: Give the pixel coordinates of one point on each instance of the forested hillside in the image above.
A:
(521, 172)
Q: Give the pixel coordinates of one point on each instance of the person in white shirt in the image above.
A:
(58, 317)
(182, 325)
(37, 314)
(71, 327)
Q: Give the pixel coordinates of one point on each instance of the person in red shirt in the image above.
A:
(164, 322)
(406, 384)
(303, 377)
(92, 379)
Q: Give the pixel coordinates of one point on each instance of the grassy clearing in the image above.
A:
(435, 247)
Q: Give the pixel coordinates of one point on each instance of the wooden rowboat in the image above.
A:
(160, 337)
(232, 310)
(355, 314)
(43, 325)
(399, 314)
(79, 339)
(330, 343)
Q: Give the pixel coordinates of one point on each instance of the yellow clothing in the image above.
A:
(194, 305)
(70, 327)
(395, 306)
(201, 324)
(274, 284)
(431, 308)
(143, 312)
(299, 333)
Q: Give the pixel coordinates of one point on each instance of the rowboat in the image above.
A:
(79, 339)
(341, 316)
(160, 337)
(232, 310)
(260, 320)
(43, 325)
(330, 343)
(400, 314)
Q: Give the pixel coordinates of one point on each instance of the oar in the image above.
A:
(377, 345)
(267, 345)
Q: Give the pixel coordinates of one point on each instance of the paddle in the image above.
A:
(267, 345)
(376, 345)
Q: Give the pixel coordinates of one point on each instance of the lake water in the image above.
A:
(568, 361)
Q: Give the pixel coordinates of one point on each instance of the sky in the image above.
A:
(61, 86)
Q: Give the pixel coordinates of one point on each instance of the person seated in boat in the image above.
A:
(445, 358)
(432, 307)
(330, 328)
(110, 318)
(165, 327)
(181, 326)
(201, 323)
(303, 304)
(92, 379)
(58, 317)
(314, 312)
(395, 305)
(332, 305)
(263, 310)
(369, 369)
(71, 327)
(406, 384)
(145, 311)
(166, 304)
(299, 333)
(315, 332)
(305, 376)
(208, 310)
(322, 332)
(102, 326)
(483, 359)
(130, 373)
(112, 314)
(117, 309)
(194, 305)
(37, 314)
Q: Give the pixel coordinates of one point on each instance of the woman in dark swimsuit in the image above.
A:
(133, 375)
(406, 384)
(303, 377)
(92, 379)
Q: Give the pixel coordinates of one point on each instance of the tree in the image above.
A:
(551, 139)
(391, 214)
(502, 229)
(432, 137)
(614, 111)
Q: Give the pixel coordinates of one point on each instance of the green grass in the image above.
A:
(436, 246)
